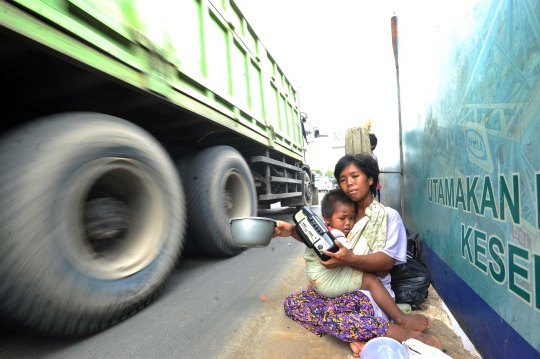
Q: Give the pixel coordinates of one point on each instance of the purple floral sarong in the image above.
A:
(348, 317)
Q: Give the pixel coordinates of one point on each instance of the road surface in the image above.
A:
(228, 308)
(205, 304)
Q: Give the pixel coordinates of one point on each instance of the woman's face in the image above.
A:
(355, 184)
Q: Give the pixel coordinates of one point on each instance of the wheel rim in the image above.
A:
(236, 196)
(307, 187)
(125, 243)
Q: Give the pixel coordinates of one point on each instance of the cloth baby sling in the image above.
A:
(369, 233)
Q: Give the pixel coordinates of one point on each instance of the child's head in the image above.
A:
(338, 211)
(373, 141)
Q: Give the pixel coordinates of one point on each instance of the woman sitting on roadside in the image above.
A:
(379, 241)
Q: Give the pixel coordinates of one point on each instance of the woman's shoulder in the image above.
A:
(392, 214)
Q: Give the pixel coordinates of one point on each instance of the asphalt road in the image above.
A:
(204, 305)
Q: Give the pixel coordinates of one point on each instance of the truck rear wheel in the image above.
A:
(219, 186)
(307, 195)
(91, 222)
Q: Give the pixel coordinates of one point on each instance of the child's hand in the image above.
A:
(339, 259)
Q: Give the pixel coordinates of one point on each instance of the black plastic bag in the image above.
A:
(410, 282)
(413, 245)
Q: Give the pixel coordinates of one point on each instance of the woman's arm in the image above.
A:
(284, 229)
(374, 262)
(394, 250)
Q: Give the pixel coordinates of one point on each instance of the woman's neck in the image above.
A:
(361, 207)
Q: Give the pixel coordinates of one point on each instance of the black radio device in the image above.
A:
(313, 232)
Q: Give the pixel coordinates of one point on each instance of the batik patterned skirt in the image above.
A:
(348, 317)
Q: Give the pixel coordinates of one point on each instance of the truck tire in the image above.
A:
(91, 223)
(307, 195)
(219, 186)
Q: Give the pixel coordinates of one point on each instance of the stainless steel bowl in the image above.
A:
(252, 231)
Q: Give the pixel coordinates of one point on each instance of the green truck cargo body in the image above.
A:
(202, 56)
(132, 132)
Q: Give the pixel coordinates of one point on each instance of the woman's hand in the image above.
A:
(283, 229)
(342, 258)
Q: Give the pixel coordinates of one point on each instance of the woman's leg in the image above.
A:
(401, 334)
(349, 317)
(306, 309)
(383, 299)
(357, 347)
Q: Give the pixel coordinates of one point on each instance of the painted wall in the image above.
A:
(470, 110)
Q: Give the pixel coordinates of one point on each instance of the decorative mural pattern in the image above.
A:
(472, 156)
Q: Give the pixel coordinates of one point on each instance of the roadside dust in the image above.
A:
(441, 327)
(271, 334)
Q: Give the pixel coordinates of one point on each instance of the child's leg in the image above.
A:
(383, 299)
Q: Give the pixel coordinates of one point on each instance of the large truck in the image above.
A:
(132, 130)
(467, 178)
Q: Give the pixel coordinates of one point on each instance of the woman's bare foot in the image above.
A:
(427, 339)
(401, 334)
(416, 322)
(357, 347)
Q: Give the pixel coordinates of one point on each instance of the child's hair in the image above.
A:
(373, 139)
(332, 199)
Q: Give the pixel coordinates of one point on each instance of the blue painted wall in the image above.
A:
(470, 111)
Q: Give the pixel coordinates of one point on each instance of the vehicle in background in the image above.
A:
(121, 118)
(323, 183)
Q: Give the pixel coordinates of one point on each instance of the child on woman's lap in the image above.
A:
(339, 213)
